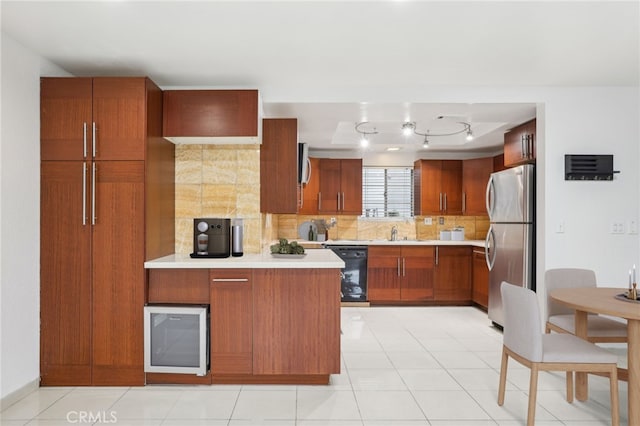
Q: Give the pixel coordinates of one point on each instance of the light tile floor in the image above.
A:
(407, 366)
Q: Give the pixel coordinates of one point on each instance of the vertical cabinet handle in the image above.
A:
(522, 145)
(464, 202)
(84, 140)
(93, 195)
(445, 201)
(441, 201)
(84, 191)
(398, 266)
(338, 201)
(531, 136)
(319, 200)
(437, 255)
(93, 138)
(343, 201)
(404, 269)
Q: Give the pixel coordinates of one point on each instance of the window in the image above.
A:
(387, 191)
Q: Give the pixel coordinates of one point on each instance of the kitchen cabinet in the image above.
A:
(438, 187)
(475, 175)
(232, 321)
(102, 215)
(279, 166)
(210, 116)
(310, 190)
(400, 273)
(452, 274)
(340, 186)
(498, 163)
(296, 322)
(520, 144)
(179, 286)
(480, 289)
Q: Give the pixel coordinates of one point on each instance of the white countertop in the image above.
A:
(313, 259)
(473, 243)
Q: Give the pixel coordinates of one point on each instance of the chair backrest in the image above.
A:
(566, 278)
(522, 333)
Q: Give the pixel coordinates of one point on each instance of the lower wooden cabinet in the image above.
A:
(452, 274)
(480, 289)
(296, 321)
(400, 273)
(231, 321)
(171, 286)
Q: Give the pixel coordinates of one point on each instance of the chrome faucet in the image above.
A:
(394, 233)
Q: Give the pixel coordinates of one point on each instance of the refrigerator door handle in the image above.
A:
(489, 196)
(488, 243)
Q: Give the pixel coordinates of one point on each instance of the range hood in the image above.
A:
(212, 116)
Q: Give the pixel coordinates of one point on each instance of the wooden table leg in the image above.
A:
(633, 366)
(582, 381)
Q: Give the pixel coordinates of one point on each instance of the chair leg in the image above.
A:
(570, 386)
(533, 390)
(503, 376)
(615, 409)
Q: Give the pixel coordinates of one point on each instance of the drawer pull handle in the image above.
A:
(230, 280)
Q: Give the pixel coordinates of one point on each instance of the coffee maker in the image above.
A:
(211, 237)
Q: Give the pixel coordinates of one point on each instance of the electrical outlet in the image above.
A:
(441, 220)
(560, 228)
(617, 228)
(633, 227)
(428, 221)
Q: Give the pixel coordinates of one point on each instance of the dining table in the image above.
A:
(612, 302)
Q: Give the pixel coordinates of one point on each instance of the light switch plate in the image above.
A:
(428, 221)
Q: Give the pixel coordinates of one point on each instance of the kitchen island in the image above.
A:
(272, 319)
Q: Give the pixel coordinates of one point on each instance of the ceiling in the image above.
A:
(334, 64)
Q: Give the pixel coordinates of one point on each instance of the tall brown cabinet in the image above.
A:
(107, 190)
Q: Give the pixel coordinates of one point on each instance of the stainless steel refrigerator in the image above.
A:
(510, 242)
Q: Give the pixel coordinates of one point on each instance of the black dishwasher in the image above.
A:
(354, 274)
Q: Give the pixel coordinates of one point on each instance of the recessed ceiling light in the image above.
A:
(393, 148)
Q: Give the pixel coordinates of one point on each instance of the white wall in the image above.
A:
(19, 215)
(571, 120)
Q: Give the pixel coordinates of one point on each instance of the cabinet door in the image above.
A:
(65, 275)
(279, 166)
(231, 321)
(452, 278)
(351, 186)
(451, 186)
(119, 113)
(475, 175)
(310, 190)
(330, 185)
(498, 163)
(65, 118)
(296, 321)
(383, 273)
(118, 273)
(428, 187)
(417, 273)
(480, 292)
(520, 144)
(189, 286)
(214, 113)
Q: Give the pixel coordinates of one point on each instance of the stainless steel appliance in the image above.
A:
(510, 242)
(176, 339)
(354, 274)
(211, 237)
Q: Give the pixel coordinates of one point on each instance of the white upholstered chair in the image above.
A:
(524, 341)
(561, 319)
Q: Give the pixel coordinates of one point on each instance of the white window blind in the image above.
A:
(387, 191)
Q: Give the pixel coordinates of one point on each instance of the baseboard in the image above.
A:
(18, 394)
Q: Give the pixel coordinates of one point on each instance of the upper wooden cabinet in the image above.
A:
(310, 190)
(212, 116)
(475, 175)
(438, 187)
(520, 144)
(340, 186)
(101, 118)
(279, 166)
(498, 163)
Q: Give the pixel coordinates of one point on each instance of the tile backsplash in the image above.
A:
(220, 181)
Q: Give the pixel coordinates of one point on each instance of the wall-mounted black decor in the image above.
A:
(588, 167)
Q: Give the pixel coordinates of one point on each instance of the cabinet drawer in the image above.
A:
(179, 286)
